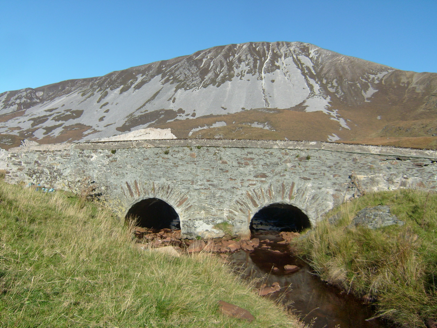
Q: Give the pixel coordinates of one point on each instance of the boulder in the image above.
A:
(263, 291)
(196, 246)
(235, 311)
(255, 242)
(246, 245)
(211, 247)
(249, 245)
(289, 268)
(232, 247)
(168, 250)
(229, 246)
(375, 217)
(140, 230)
(289, 235)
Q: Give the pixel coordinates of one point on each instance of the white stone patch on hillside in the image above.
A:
(333, 138)
(214, 125)
(2, 100)
(285, 87)
(369, 93)
(371, 80)
(18, 98)
(318, 104)
(307, 62)
(334, 87)
(342, 122)
(321, 104)
(265, 126)
(3, 159)
(375, 78)
(336, 117)
(142, 134)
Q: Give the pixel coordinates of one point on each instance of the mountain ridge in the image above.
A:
(238, 80)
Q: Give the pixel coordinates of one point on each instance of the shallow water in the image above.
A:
(302, 292)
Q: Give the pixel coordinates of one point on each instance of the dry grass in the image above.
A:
(394, 266)
(65, 262)
(294, 125)
(405, 142)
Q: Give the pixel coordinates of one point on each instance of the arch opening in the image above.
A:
(154, 213)
(279, 217)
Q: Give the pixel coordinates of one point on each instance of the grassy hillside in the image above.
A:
(65, 262)
(395, 266)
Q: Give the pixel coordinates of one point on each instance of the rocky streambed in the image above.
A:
(267, 261)
(150, 238)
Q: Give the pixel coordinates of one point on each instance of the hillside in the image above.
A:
(65, 262)
(257, 90)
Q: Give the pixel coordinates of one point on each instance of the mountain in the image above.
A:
(258, 90)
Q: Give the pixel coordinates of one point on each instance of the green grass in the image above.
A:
(66, 262)
(395, 266)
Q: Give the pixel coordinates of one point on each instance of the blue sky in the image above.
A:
(44, 42)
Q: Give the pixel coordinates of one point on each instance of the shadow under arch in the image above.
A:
(154, 213)
(279, 217)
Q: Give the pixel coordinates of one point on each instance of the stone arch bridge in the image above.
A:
(208, 182)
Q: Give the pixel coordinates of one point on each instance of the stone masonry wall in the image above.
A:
(211, 181)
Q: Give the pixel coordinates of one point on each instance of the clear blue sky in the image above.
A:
(44, 41)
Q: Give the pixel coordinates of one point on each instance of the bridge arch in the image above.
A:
(297, 198)
(279, 216)
(155, 213)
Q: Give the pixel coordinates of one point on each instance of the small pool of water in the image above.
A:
(302, 292)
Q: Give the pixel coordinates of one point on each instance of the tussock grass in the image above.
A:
(395, 266)
(65, 262)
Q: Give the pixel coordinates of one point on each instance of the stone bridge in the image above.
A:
(202, 183)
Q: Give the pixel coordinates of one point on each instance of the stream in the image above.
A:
(302, 292)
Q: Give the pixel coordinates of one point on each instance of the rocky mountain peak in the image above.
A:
(215, 88)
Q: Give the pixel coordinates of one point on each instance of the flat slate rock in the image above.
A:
(234, 311)
(375, 217)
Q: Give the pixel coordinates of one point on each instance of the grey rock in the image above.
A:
(375, 217)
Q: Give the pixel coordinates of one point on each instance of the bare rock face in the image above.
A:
(375, 217)
(235, 311)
